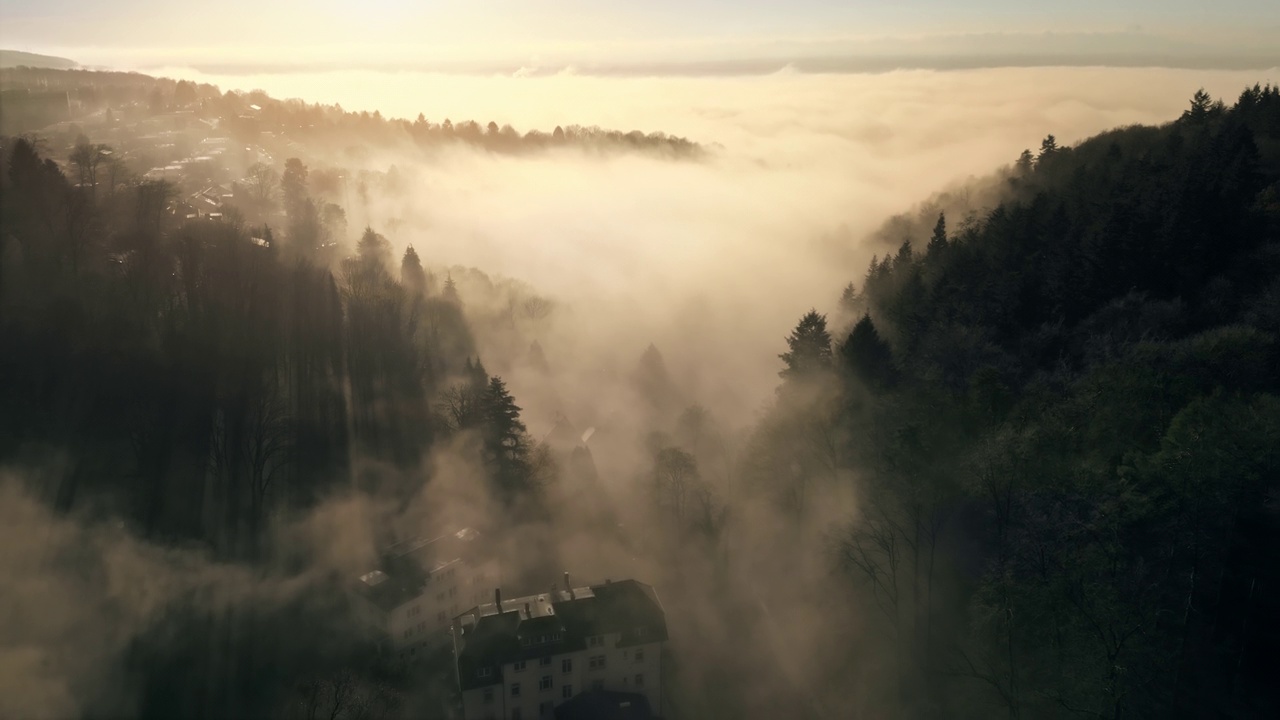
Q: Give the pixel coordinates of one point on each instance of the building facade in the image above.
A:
(421, 586)
(520, 659)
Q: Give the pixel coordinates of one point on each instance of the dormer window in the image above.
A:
(642, 632)
(484, 672)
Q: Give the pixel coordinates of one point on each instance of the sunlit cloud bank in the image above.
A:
(714, 261)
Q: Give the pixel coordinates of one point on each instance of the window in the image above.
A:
(566, 691)
(544, 661)
(595, 641)
(488, 696)
(566, 665)
(440, 616)
(515, 714)
(440, 597)
(519, 666)
(640, 655)
(515, 689)
(595, 662)
(545, 683)
(484, 672)
(641, 632)
(597, 685)
(639, 679)
(546, 708)
(453, 591)
(422, 626)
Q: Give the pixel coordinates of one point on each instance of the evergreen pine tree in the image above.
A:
(849, 298)
(1026, 163)
(867, 355)
(411, 274)
(939, 238)
(451, 290)
(809, 348)
(1048, 147)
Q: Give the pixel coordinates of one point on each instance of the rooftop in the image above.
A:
(407, 567)
(493, 634)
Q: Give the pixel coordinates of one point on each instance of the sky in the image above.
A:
(145, 33)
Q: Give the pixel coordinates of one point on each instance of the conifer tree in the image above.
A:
(809, 348)
(1026, 163)
(939, 238)
(849, 298)
(1048, 147)
(412, 276)
(451, 290)
(866, 354)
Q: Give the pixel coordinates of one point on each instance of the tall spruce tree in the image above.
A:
(809, 346)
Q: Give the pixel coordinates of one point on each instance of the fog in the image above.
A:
(710, 258)
(713, 261)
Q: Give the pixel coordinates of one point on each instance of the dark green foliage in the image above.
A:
(196, 382)
(866, 355)
(809, 348)
(1083, 380)
(412, 276)
(938, 240)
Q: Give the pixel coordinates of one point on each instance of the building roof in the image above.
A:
(552, 623)
(407, 567)
(605, 705)
(387, 592)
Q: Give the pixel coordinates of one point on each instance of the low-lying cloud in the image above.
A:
(715, 260)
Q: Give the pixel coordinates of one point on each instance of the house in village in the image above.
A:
(563, 653)
(420, 586)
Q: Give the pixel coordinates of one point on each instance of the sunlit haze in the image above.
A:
(698, 360)
(496, 34)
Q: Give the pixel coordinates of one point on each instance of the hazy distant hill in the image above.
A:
(14, 58)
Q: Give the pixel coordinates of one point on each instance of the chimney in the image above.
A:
(497, 598)
(527, 612)
(567, 587)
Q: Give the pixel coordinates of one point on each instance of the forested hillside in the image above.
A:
(1029, 467)
(192, 374)
(326, 128)
(203, 383)
(1063, 425)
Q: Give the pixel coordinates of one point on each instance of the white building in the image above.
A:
(422, 584)
(521, 659)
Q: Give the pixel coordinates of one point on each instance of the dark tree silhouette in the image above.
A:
(809, 348)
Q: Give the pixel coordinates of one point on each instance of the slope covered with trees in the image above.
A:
(1062, 424)
(1058, 423)
(326, 128)
(201, 383)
